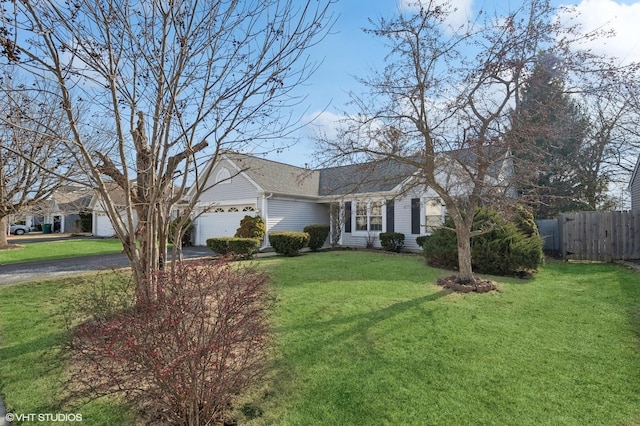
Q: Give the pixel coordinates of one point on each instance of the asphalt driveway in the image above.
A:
(48, 269)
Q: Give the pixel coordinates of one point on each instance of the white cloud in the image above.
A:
(325, 124)
(610, 15)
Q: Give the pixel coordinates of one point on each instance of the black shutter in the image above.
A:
(415, 216)
(347, 217)
(390, 216)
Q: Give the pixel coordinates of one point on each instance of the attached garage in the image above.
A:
(102, 226)
(222, 221)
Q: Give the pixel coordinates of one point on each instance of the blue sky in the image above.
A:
(348, 52)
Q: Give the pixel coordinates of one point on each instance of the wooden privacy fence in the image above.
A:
(603, 236)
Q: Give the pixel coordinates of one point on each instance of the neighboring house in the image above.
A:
(373, 197)
(67, 210)
(634, 187)
(102, 226)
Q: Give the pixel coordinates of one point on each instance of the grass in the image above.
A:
(367, 339)
(32, 338)
(59, 250)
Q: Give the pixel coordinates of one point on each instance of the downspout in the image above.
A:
(265, 217)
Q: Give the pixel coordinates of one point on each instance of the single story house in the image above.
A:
(634, 187)
(101, 224)
(373, 197)
(66, 210)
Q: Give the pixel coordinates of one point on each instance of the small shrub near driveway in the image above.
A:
(288, 243)
(251, 227)
(317, 235)
(240, 247)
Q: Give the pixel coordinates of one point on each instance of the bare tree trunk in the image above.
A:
(3, 232)
(463, 236)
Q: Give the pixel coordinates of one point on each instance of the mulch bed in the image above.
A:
(467, 286)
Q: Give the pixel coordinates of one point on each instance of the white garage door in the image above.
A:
(222, 222)
(103, 226)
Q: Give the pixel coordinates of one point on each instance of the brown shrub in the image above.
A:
(185, 355)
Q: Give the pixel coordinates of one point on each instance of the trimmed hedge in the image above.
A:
(511, 248)
(242, 247)
(392, 241)
(288, 243)
(421, 239)
(317, 235)
(251, 227)
(220, 244)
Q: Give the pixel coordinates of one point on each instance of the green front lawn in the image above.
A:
(368, 339)
(59, 250)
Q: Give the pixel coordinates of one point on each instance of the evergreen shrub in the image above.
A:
(242, 247)
(251, 227)
(317, 235)
(288, 243)
(392, 241)
(511, 247)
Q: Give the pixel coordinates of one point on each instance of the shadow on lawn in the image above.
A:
(357, 324)
(32, 347)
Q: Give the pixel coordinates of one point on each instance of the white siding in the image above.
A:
(402, 223)
(237, 188)
(294, 215)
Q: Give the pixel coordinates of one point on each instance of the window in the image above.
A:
(369, 216)
(433, 214)
(248, 209)
(218, 210)
(375, 216)
(361, 216)
(232, 209)
(223, 176)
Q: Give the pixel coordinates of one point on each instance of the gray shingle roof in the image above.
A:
(375, 176)
(278, 177)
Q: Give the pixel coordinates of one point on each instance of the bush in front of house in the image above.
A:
(251, 227)
(242, 247)
(510, 248)
(440, 249)
(317, 235)
(219, 244)
(392, 241)
(513, 247)
(421, 239)
(288, 243)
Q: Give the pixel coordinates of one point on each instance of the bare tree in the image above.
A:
(33, 163)
(179, 81)
(450, 92)
(612, 145)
